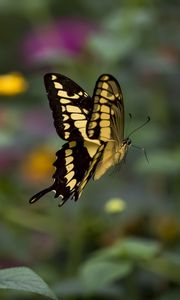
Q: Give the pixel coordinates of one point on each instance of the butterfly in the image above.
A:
(93, 128)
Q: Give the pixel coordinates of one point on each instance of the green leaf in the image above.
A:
(110, 47)
(167, 265)
(170, 295)
(24, 279)
(98, 274)
(75, 287)
(130, 248)
(139, 249)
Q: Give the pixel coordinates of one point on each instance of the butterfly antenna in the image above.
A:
(130, 117)
(143, 150)
(137, 128)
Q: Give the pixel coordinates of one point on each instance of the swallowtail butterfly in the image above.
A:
(93, 128)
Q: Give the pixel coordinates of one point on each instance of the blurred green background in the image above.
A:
(131, 215)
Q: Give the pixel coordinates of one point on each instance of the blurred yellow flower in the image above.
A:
(115, 205)
(37, 166)
(12, 84)
(167, 227)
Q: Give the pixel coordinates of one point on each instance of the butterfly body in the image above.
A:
(113, 154)
(93, 128)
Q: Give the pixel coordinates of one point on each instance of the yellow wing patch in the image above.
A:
(107, 100)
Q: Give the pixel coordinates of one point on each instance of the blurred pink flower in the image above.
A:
(9, 158)
(68, 37)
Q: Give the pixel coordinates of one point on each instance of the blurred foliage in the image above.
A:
(121, 240)
(22, 278)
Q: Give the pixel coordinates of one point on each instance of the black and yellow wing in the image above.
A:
(70, 106)
(75, 165)
(106, 120)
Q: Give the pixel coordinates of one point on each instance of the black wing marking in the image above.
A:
(70, 105)
(75, 164)
(107, 113)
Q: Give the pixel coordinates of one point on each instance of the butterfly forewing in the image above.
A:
(107, 108)
(70, 105)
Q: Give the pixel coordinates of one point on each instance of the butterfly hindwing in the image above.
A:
(70, 105)
(107, 109)
(92, 168)
(74, 168)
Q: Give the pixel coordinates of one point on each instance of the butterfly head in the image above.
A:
(124, 147)
(127, 142)
(122, 150)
